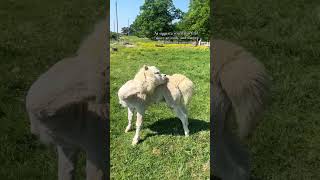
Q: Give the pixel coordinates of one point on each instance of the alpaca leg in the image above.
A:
(139, 121)
(130, 115)
(182, 115)
(67, 157)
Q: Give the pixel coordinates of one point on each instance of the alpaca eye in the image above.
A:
(157, 73)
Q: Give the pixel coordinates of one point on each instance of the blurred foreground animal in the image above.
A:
(176, 90)
(67, 107)
(240, 86)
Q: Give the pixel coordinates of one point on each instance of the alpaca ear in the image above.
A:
(145, 67)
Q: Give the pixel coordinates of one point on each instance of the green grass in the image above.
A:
(34, 35)
(284, 35)
(164, 152)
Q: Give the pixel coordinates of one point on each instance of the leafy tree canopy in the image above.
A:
(125, 30)
(197, 18)
(155, 16)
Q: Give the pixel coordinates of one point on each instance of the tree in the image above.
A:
(155, 16)
(197, 18)
(114, 36)
(125, 30)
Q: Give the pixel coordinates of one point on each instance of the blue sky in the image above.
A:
(129, 9)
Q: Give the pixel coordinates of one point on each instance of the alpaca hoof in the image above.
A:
(186, 133)
(135, 141)
(128, 128)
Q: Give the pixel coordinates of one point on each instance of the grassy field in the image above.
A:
(284, 35)
(164, 152)
(34, 35)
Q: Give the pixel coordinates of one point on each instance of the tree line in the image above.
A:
(163, 16)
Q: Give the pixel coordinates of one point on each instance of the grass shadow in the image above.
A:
(173, 126)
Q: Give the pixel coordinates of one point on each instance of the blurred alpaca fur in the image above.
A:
(240, 86)
(67, 106)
